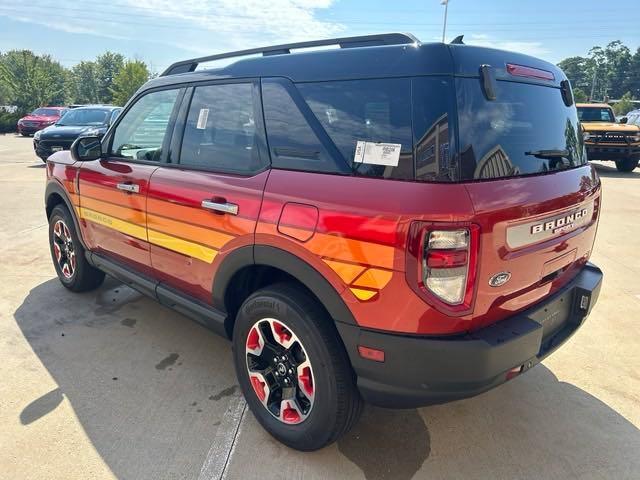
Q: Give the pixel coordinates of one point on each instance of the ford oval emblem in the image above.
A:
(499, 279)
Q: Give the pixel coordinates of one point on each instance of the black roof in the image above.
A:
(395, 55)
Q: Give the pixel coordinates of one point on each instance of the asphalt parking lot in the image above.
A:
(110, 384)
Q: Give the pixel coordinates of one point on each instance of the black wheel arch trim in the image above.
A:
(301, 270)
(54, 187)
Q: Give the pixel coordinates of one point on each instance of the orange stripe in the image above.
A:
(346, 271)
(123, 213)
(373, 278)
(200, 235)
(112, 195)
(340, 248)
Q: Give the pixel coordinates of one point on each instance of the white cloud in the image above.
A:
(200, 26)
(535, 49)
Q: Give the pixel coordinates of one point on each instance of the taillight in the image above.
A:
(444, 263)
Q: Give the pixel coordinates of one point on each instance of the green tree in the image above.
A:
(31, 81)
(108, 65)
(577, 70)
(625, 104)
(129, 79)
(579, 95)
(85, 83)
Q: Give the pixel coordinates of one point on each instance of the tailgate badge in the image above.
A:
(499, 279)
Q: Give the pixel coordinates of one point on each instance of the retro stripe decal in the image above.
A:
(127, 228)
(170, 242)
(185, 247)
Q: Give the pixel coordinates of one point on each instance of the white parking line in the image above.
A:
(217, 459)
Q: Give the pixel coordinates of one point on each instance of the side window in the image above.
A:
(221, 132)
(142, 130)
(373, 111)
(293, 142)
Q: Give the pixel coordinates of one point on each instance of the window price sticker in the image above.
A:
(202, 119)
(387, 154)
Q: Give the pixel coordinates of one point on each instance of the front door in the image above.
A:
(205, 203)
(113, 190)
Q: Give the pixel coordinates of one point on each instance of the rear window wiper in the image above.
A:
(548, 153)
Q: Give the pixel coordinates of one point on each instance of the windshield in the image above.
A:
(47, 112)
(595, 114)
(526, 130)
(89, 116)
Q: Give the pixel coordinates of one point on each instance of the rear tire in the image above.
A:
(335, 403)
(68, 254)
(627, 165)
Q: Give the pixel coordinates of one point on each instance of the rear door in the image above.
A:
(204, 203)
(113, 190)
(535, 197)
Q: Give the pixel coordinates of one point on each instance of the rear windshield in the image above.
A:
(526, 130)
(595, 114)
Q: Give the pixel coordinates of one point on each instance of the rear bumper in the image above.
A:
(421, 371)
(621, 152)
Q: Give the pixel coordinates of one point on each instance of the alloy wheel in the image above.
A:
(280, 371)
(63, 249)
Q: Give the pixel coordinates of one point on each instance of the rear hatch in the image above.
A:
(524, 166)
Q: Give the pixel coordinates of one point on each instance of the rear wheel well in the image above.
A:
(250, 279)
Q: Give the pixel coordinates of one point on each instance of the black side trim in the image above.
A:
(308, 276)
(53, 187)
(135, 280)
(204, 314)
(232, 264)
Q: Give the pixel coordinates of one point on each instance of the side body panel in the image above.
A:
(188, 242)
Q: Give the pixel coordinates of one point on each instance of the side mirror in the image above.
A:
(623, 120)
(85, 149)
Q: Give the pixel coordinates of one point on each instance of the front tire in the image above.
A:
(293, 369)
(68, 254)
(627, 165)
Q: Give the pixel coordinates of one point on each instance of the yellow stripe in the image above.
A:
(115, 223)
(169, 242)
(362, 294)
(190, 249)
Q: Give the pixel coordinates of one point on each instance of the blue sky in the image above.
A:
(162, 31)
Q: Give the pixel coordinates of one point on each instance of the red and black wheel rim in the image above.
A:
(63, 249)
(280, 371)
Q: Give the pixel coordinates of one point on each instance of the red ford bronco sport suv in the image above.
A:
(389, 221)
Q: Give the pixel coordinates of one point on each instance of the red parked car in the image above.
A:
(389, 221)
(40, 118)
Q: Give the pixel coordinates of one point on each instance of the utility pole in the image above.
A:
(446, 8)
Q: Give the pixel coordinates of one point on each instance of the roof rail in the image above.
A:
(190, 65)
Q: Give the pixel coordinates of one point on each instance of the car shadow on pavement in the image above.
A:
(150, 389)
(609, 171)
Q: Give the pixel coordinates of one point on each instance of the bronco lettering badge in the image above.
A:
(558, 224)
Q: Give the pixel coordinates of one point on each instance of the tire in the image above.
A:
(25, 134)
(68, 254)
(334, 405)
(627, 165)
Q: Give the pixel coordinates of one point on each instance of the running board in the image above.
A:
(202, 313)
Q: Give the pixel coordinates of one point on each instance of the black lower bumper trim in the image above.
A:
(420, 371)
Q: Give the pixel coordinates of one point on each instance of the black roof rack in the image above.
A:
(190, 65)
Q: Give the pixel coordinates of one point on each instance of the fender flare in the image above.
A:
(53, 187)
(287, 262)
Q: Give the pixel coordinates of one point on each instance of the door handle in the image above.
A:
(222, 207)
(128, 187)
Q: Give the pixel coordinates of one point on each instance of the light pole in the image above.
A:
(444, 26)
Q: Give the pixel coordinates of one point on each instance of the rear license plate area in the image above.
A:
(554, 316)
(56, 149)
